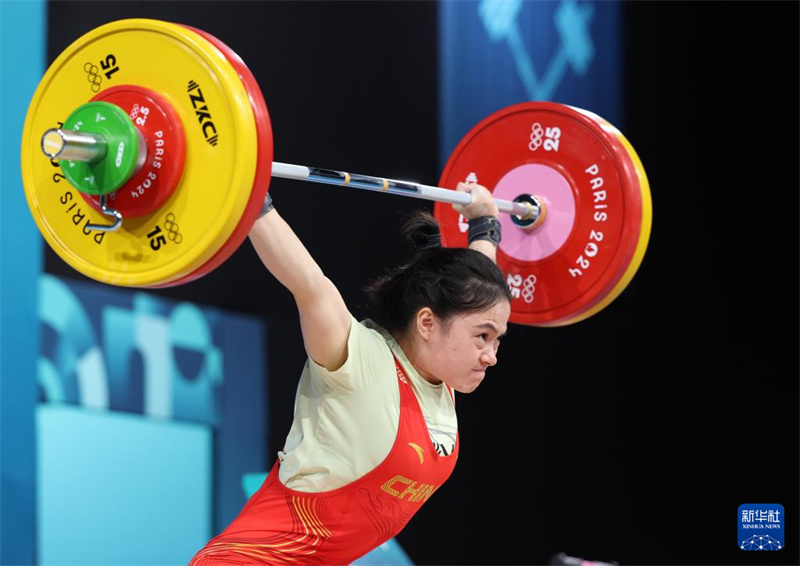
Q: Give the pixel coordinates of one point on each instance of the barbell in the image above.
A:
(158, 155)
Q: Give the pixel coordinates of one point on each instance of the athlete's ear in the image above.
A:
(424, 322)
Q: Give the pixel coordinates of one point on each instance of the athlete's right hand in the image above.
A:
(482, 202)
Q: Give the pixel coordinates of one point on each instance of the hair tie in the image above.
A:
(431, 241)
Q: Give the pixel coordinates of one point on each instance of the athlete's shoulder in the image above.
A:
(369, 359)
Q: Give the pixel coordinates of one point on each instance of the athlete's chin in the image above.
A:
(471, 385)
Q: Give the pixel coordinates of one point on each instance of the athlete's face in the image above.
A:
(460, 351)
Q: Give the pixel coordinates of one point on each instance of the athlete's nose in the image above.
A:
(489, 357)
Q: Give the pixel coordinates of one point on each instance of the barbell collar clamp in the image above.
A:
(70, 145)
(110, 212)
(536, 215)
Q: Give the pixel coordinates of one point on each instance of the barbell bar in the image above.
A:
(92, 148)
(525, 211)
(205, 161)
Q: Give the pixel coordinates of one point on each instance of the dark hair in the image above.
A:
(449, 281)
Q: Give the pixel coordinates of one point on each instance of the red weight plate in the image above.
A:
(161, 127)
(647, 219)
(591, 189)
(263, 166)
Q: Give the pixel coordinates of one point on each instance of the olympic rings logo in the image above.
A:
(172, 229)
(92, 76)
(522, 287)
(537, 134)
(528, 288)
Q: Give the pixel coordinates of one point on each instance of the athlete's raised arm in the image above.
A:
(324, 317)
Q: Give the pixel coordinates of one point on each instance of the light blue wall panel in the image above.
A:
(120, 489)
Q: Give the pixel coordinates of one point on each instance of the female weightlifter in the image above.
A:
(374, 432)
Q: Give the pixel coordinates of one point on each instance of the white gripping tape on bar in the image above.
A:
(289, 171)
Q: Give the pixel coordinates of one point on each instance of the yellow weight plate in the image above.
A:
(221, 145)
(644, 237)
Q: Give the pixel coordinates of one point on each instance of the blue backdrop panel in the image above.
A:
(132, 357)
(495, 53)
(118, 489)
(21, 24)
(241, 446)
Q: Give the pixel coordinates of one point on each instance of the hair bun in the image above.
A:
(422, 230)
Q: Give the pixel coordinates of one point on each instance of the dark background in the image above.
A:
(635, 435)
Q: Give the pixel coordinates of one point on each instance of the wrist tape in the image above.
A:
(267, 206)
(484, 228)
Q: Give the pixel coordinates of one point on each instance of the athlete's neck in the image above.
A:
(416, 355)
